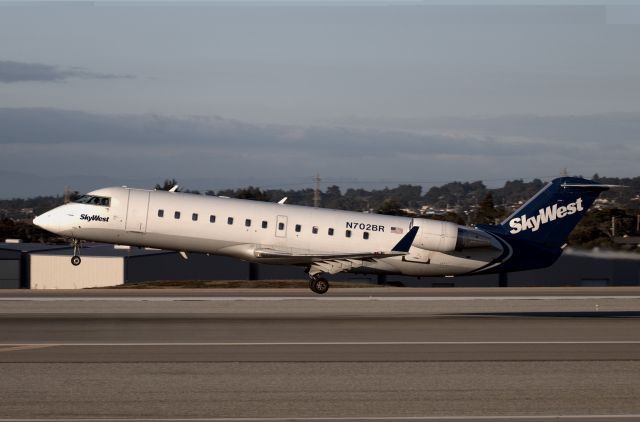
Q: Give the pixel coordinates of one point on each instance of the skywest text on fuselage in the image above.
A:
(550, 213)
(94, 218)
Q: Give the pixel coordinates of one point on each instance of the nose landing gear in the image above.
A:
(75, 259)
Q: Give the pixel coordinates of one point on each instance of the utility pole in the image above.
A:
(316, 191)
(613, 227)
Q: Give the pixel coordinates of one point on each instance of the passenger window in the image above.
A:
(264, 224)
(230, 220)
(298, 228)
(330, 231)
(176, 215)
(247, 222)
(160, 213)
(314, 230)
(212, 219)
(280, 226)
(194, 216)
(347, 233)
(365, 235)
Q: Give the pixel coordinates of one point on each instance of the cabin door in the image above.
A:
(137, 211)
(281, 226)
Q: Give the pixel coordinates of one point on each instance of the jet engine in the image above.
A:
(443, 236)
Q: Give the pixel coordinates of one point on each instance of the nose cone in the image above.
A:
(47, 222)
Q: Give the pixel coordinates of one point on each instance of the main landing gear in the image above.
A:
(319, 285)
(75, 259)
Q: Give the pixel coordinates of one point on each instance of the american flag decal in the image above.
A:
(397, 230)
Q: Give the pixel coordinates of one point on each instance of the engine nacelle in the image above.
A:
(440, 236)
(443, 236)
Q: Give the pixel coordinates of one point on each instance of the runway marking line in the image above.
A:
(17, 347)
(302, 298)
(329, 419)
(25, 346)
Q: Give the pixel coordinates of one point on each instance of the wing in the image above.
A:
(336, 262)
(277, 253)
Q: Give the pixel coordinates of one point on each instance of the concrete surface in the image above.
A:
(385, 354)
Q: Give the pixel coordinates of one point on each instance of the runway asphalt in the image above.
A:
(354, 354)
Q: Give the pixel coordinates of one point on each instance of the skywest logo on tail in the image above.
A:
(545, 215)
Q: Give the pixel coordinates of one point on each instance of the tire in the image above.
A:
(319, 286)
(75, 260)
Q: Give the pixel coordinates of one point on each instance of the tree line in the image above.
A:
(460, 202)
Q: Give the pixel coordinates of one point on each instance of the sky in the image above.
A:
(364, 93)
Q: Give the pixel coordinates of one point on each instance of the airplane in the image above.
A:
(325, 240)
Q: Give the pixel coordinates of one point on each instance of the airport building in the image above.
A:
(41, 266)
(15, 259)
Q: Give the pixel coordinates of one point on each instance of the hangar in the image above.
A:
(108, 265)
(15, 262)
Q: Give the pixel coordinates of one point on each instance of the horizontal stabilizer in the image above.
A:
(591, 186)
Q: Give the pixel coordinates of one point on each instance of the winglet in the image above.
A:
(405, 243)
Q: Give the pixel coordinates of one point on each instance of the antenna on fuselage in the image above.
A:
(174, 188)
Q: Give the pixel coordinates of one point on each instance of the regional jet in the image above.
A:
(325, 241)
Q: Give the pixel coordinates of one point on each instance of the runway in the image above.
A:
(392, 354)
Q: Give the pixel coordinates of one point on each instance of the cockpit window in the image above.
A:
(93, 200)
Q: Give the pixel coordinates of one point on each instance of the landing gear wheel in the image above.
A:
(75, 259)
(319, 285)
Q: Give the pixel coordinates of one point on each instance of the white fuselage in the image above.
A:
(239, 228)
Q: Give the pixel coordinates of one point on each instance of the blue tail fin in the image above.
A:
(549, 217)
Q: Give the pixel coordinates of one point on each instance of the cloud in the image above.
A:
(12, 72)
(84, 130)
(611, 130)
(221, 153)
